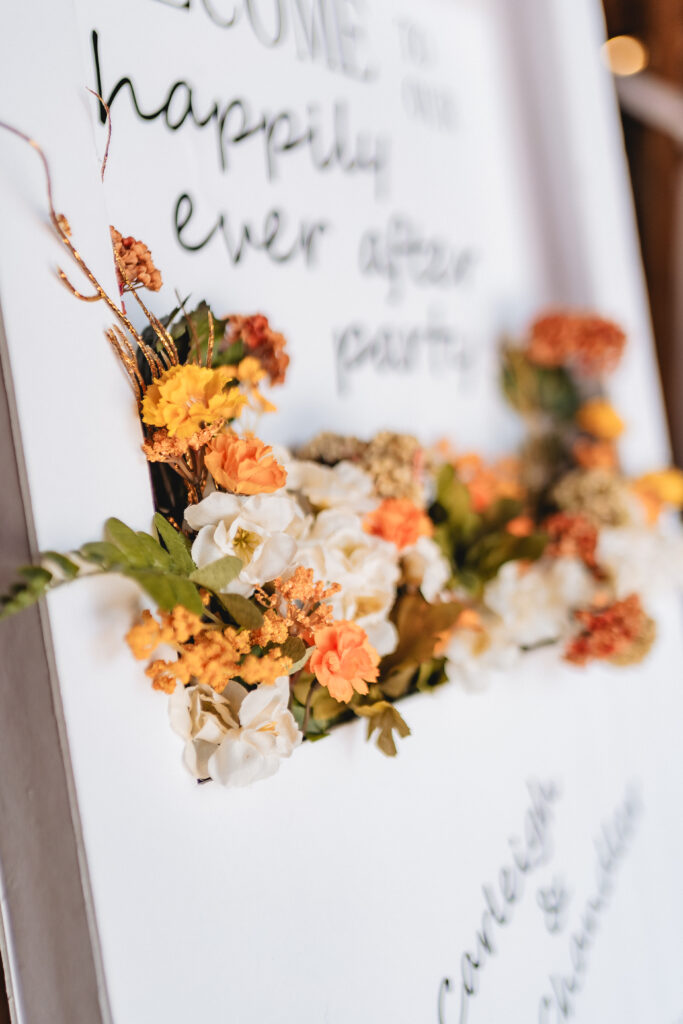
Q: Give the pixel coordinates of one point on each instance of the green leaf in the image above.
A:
(177, 544)
(325, 708)
(302, 686)
(22, 595)
(397, 683)
(167, 590)
(102, 553)
(431, 674)
(67, 568)
(419, 625)
(532, 389)
(486, 557)
(199, 318)
(296, 649)
(384, 717)
(135, 551)
(501, 513)
(244, 612)
(37, 577)
(217, 575)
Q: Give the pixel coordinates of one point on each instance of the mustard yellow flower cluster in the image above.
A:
(212, 655)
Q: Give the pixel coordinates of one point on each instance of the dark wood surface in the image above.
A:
(656, 163)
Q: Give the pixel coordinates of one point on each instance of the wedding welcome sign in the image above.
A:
(398, 187)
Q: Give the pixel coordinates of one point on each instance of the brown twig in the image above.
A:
(106, 148)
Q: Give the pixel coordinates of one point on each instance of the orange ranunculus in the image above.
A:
(344, 660)
(488, 483)
(400, 521)
(520, 526)
(244, 465)
(590, 343)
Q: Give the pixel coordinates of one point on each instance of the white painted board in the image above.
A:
(347, 887)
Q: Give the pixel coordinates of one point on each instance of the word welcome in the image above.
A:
(528, 854)
(328, 31)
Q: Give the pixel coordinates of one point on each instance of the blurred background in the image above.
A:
(645, 53)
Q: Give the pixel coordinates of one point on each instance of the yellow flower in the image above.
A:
(665, 486)
(599, 418)
(184, 399)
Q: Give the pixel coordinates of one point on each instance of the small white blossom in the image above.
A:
(262, 530)
(342, 486)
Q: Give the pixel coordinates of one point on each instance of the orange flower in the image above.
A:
(486, 484)
(599, 418)
(520, 526)
(344, 660)
(572, 537)
(400, 521)
(262, 342)
(621, 633)
(594, 454)
(592, 344)
(244, 465)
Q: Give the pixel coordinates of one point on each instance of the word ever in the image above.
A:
(327, 138)
(329, 31)
(394, 348)
(402, 254)
(528, 855)
(273, 238)
(611, 846)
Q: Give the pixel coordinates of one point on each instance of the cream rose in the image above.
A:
(342, 486)
(236, 737)
(338, 550)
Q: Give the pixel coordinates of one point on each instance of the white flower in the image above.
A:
(342, 486)
(236, 737)
(425, 566)
(640, 559)
(262, 530)
(535, 605)
(338, 550)
(474, 655)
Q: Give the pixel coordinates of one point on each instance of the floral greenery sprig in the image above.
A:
(293, 593)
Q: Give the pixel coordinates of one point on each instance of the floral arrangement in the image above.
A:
(293, 592)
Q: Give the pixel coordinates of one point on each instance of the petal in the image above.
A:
(274, 512)
(179, 711)
(236, 763)
(212, 509)
(382, 635)
(263, 704)
(204, 548)
(274, 558)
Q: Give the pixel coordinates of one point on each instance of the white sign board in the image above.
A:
(386, 182)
